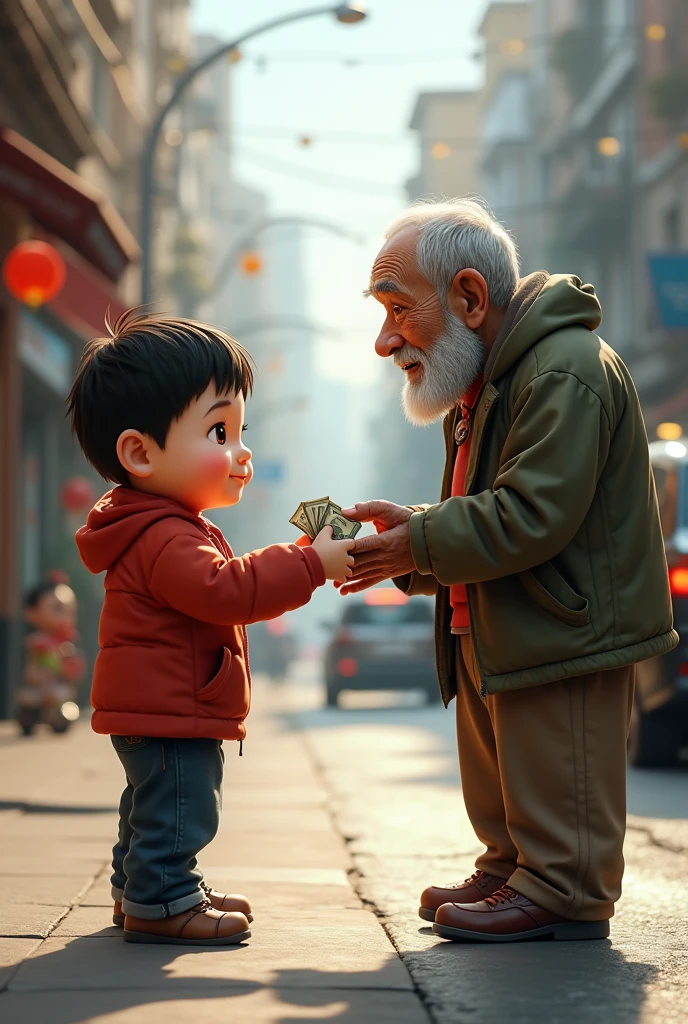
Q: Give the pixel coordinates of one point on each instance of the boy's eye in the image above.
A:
(218, 433)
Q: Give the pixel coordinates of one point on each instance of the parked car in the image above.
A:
(384, 641)
(659, 724)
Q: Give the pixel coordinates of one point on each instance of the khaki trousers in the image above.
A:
(543, 771)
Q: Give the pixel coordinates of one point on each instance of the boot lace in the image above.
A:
(474, 879)
(202, 907)
(504, 895)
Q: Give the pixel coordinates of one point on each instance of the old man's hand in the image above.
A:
(386, 555)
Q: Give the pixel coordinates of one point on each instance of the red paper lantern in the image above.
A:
(77, 494)
(34, 272)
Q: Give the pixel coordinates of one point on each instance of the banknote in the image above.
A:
(315, 510)
(311, 516)
(342, 528)
(300, 521)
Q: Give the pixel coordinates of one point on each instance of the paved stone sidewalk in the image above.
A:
(412, 830)
(316, 952)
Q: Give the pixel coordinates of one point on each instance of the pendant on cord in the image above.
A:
(463, 427)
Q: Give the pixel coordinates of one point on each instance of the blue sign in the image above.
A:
(45, 352)
(669, 272)
(268, 472)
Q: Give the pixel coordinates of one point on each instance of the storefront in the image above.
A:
(39, 351)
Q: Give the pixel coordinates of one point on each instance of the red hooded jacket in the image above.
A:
(173, 657)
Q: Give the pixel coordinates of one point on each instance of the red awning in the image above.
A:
(65, 205)
(85, 298)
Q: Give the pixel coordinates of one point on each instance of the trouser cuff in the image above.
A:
(537, 890)
(157, 911)
(117, 894)
(498, 868)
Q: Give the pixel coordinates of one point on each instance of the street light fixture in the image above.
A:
(350, 14)
(347, 14)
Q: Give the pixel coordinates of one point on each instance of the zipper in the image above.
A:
(241, 748)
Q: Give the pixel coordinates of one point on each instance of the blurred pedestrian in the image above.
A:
(546, 556)
(53, 664)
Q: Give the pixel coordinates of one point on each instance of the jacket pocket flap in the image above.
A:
(214, 688)
(551, 591)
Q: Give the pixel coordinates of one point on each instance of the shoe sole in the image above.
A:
(168, 940)
(118, 920)
(427, 915)
(572, 931)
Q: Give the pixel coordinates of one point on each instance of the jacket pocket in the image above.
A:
(551, 591)
(213, 689)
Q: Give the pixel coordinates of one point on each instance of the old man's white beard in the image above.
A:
(450, 366)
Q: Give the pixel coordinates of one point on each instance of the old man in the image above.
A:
(546, 556)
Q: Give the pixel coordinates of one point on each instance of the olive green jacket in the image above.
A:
(558, 538)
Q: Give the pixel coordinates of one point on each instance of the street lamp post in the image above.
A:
(347, 13)
(248, 238)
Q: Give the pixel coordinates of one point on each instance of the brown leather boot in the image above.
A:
(507, 916)
(202, 925)
(219, 900)
(472, 890)
(228, 901)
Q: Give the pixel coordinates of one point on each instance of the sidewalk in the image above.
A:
(316, 952)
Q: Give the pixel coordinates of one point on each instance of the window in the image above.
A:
(388, 615)
(672, 227)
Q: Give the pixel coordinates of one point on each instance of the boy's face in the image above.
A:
(204, 463)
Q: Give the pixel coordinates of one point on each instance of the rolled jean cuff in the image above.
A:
(157, 911)
(117, 894)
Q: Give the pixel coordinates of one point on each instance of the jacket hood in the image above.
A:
(118, 519)
(541, 305)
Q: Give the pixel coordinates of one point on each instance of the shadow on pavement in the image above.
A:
(93, 979)
(534, 981)
(30, 808)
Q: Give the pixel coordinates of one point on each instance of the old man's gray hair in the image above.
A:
(460, 233)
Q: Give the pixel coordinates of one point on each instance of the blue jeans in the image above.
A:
(169, 811)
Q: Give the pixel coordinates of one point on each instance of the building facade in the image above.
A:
(79, 83)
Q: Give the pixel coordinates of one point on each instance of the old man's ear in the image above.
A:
(469, 298)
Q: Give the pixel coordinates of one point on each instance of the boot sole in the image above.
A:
(118, 919)
(427, 915)
(573, 930)
(168, 940)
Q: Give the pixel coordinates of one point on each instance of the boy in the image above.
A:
(158, 408)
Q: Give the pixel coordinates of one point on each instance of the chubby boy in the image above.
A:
(158, 408)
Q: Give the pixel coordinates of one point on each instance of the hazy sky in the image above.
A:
(357, 115)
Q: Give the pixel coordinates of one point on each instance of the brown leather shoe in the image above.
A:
(473, 890)
(507, 916)
(218, 900)
(202, 925)
(228, 901)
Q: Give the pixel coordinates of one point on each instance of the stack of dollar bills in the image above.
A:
(311, 516)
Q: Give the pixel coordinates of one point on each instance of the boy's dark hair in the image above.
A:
(143, 376)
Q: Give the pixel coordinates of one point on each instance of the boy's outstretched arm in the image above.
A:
(197, 580)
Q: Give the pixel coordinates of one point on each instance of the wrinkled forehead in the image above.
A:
(395, 267)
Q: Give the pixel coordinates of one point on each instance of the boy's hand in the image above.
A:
(334, 555)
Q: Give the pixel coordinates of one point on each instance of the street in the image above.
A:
(334, 822)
